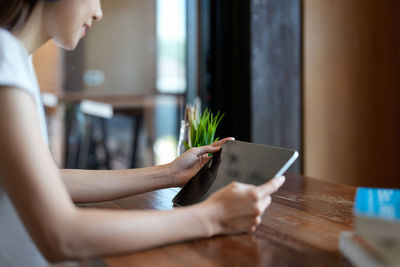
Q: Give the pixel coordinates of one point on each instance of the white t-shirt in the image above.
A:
(16, 70)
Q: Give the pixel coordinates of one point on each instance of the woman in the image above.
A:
(44, 195)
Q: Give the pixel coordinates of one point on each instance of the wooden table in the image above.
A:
(300, 228)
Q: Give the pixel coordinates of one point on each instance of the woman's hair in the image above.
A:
(11, 11)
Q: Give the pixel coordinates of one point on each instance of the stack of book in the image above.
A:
(375, 240)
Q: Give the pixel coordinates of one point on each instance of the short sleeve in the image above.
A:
(16, 70)
(14, 63)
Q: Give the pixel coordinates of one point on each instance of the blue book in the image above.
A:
(378, 203)
(377, 213)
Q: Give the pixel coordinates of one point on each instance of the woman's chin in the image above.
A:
(67, 45)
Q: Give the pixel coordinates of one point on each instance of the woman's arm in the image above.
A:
(103, 185)
(63, 231)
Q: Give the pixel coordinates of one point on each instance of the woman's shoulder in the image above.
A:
(9, 41)
(11, 48)
(14, 62)
(5, 36)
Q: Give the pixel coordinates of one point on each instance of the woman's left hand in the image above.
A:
(189, 163)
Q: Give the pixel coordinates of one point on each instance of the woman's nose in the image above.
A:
(99, 13)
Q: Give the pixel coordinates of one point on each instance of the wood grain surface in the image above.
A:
(300, 228)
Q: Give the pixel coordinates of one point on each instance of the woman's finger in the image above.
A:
(271, 186)
(265, 203)
(257, 221)
(204, 160)
(214, 147)
(222, 141)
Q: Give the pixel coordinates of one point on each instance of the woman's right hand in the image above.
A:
(238, 207)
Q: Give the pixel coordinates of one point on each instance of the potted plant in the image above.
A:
(198, 129)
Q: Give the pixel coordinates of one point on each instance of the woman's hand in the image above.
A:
(189, 163)
(237, 208)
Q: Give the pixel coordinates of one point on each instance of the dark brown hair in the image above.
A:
(12, 10)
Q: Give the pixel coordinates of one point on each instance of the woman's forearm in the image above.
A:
(104, 185)
(94, 232)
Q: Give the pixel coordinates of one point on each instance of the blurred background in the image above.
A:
(322, 77)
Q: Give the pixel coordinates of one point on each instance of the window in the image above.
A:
(171, 46)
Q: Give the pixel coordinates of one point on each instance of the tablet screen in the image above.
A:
(236, 161)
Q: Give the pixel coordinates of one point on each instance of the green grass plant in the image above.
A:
(203, 129)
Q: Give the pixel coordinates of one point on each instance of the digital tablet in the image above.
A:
(236, 161)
